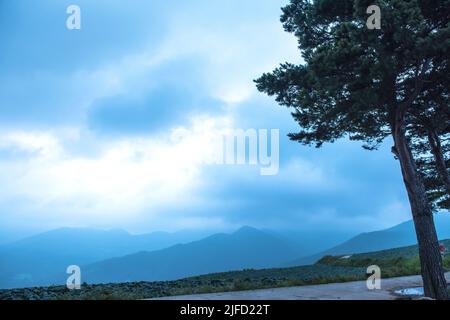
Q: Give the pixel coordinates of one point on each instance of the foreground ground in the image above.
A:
(356, 290)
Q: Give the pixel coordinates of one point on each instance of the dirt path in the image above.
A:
(334, 291)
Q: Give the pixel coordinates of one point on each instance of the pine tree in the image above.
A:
(362, 84)
(429, 133)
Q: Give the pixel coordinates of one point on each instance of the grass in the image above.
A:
(394, 262)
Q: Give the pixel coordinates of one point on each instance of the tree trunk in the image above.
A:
(436, 150)
(435, 285)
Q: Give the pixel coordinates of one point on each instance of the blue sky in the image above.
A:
(88, 119)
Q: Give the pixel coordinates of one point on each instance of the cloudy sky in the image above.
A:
(104, 126)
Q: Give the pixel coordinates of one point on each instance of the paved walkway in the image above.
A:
(334, 291)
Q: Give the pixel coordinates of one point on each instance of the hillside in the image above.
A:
(245, 248)
(331, 269)
(398, 236)
(403, 252)
(117, 256)
(30, 261)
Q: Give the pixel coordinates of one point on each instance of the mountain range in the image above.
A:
(247, 248)
(117, 256)
(33, 260)
(398, 236)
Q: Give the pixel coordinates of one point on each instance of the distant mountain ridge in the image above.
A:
(328, 270)
(117, 256)
(243, 249)
(30, 261)
(398, 236)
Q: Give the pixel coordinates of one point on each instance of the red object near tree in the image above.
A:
(442, 248)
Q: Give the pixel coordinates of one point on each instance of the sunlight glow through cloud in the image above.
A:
(129, 175)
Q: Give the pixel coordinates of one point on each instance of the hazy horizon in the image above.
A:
(7, 238)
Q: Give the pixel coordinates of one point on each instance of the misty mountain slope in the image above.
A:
(30, 261)
(309, 242)
(398, 236)
(246, 248)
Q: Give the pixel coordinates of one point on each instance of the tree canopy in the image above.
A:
(370, 83)
(353, 78)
